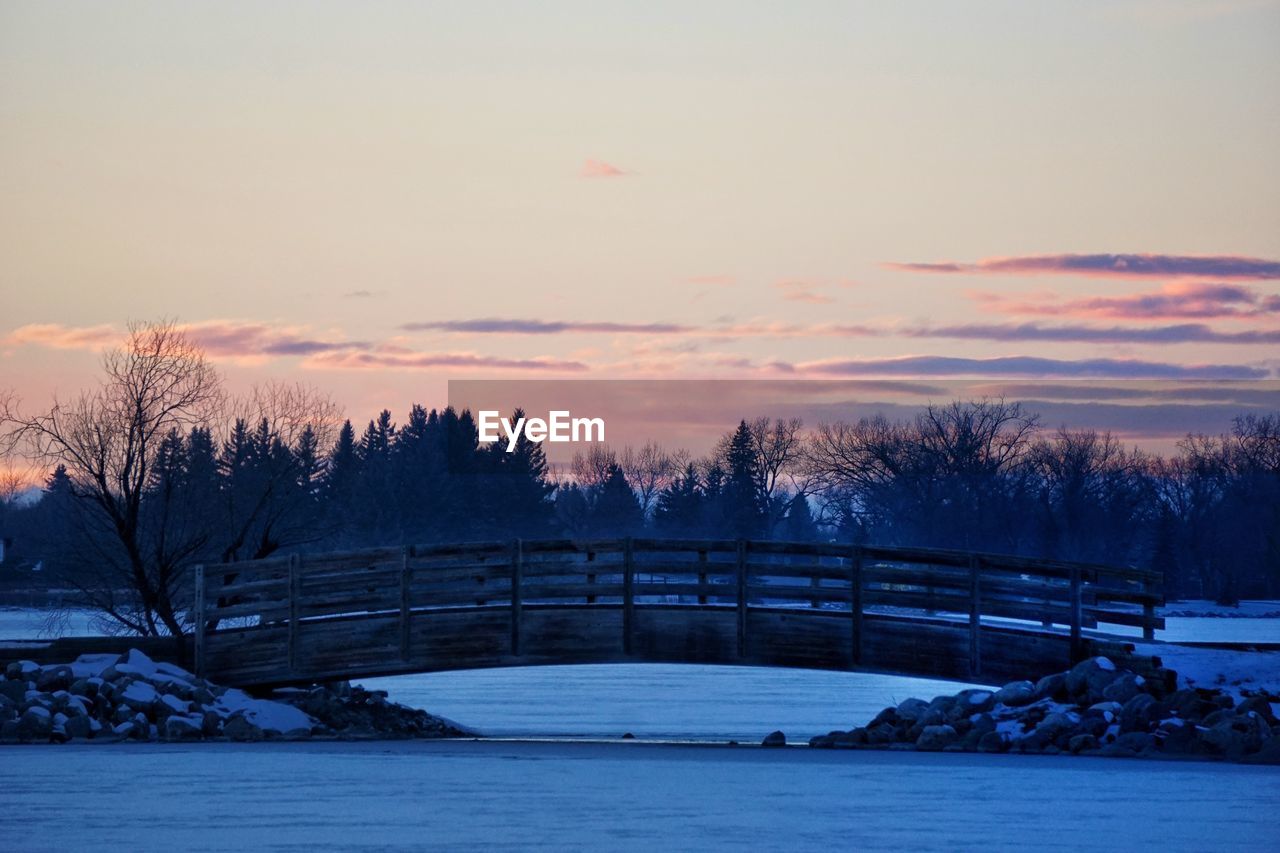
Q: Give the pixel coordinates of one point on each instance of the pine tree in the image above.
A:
(744, 509)
(616, 511)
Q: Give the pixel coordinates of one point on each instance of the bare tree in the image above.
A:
(157, 384)
(649, 470)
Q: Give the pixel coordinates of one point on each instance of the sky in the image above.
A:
(378, 198)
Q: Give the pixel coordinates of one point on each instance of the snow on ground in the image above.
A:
(1232, 671)
(657, 701)
(1246, 610)
(567, 796)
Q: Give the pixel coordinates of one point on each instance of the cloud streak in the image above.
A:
(1180, 333)
(58, 336)
(802, 291)
(1224, 267)
(1178, 300)
(502, 326)
(398, 359)
(601, 169)
(1020, 366)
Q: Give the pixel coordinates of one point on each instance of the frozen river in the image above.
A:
(583, 796)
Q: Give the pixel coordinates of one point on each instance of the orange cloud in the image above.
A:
(58, 336)
(601, 169)
(802, 291)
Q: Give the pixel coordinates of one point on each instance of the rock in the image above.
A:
(628, 736)
(1124, 688)
(1135, 742)
(935, 738)
(1238, 736)
(1090, 677)
(1268, 754)
(79, 727)
(993, 741)
(1052, 687)
(1082, 743)
(14, 691)
(973, 702)
(1191, 704)
(1015, 694)
(1055, 725)
(54, 678)
(912, 709)
(850, 739)
(238, 728)
(1135, 716)
(36, 723)
(184, 727)
(774, 739)
(1259, 706)
(880, 734)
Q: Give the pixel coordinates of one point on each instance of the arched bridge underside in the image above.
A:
(949, 614)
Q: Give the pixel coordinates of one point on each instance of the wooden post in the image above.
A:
(742, 597)
(975, 617)
(199, 620)
(406, 580)
(1077, 614)
(855, 603)
(517, 579)
(702, 575)
(1148, 614)
(628, 594)
(295, 581)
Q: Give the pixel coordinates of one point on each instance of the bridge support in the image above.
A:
(198, 627)
(406, 583)
(742, 598)
(855, 604)
(628, 594)
(517, 580)
(975, 617)
(295, 582)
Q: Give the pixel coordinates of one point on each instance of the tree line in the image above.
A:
(156, 470)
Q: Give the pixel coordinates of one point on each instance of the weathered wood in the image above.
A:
(702, 573)
(517, 576)
(975, 617)
(295, 574)
(742, 597)
(406, 613)
(628, 595)
(605, 600)
(198, 623)
(1077, 613)
(855, 605)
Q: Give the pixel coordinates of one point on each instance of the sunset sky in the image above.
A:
(379, 197)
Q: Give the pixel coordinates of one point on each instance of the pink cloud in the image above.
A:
(1227, 267)
(398, 358)
(1177, 300)
(58, 336)
(601, 169)
(803, 291)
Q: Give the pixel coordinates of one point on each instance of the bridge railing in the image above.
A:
(853, 582)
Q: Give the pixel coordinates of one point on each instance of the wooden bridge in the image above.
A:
(383, 611)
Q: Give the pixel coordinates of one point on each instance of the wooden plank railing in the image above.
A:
(636, 573)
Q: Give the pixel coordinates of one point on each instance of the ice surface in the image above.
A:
(658, 701)
(516, 796)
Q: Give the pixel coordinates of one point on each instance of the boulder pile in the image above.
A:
(1093, 709)
(131, 697)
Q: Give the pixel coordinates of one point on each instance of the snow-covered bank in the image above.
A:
(107, 697)
(413, 795)
(1095, 708)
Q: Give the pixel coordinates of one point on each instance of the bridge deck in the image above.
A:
(948, 614)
